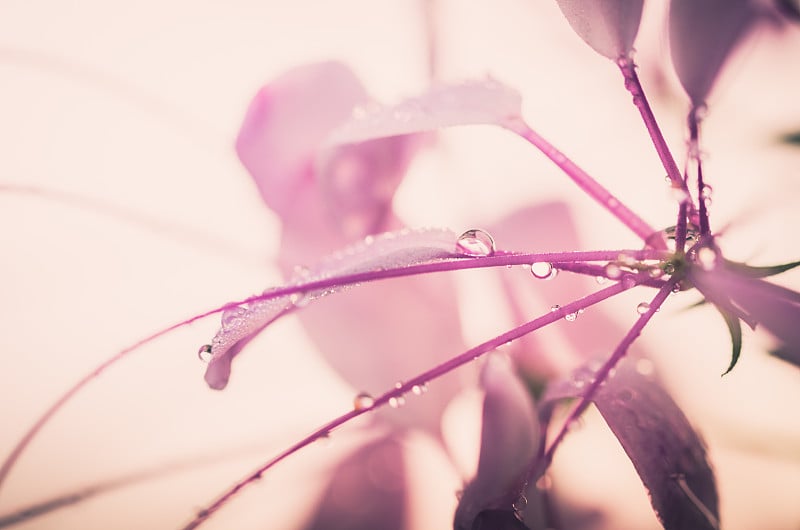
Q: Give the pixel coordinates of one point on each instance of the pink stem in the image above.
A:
(593, 188)
(602, 374)
(421, 379)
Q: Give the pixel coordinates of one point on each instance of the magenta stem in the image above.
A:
(419, 380)
(634, 86)
(602, 374)
(588, 184)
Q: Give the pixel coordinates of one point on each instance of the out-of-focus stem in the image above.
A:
(588, 184)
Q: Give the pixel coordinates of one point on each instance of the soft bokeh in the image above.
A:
(123, 209)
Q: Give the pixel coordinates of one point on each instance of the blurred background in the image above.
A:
(123, 209)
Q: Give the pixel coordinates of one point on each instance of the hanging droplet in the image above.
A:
(476, 243)
(418, 390)
(204, 353)
(397, 402)
(363, 401)
(643, 308)
(707, 258)
(706, 192)
(613, 271)
(571, 317)
(543, 270)
(398, 385)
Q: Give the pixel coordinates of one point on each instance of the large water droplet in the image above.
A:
(613, 271)
(475, 242)
(204, 353)
(543, 270)
(231, 317)
(643, 308)
(363, 401)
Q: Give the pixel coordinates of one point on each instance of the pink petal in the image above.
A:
(608, 26)
(702, 34)
(367, 491)
(509, 441)
(286, 123)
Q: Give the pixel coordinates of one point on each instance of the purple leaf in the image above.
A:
(755, 301)
(390, 250)
(669, 456)
(702, 35)
(608, 26)
(470, 103)
(509, 441)
(367, 491)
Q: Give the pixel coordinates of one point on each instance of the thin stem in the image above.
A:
(544, 460)
(501, 259)
(419, 380)
(634, 86)
(695, 115)
(588, 184)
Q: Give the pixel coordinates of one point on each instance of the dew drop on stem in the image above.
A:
(475, 243)
(643, 308)
(363, 401)
(543, 270)
(613, 271)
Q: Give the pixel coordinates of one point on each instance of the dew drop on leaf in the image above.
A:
(204, 353)
(476, 243)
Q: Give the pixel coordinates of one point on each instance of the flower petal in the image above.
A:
(470, 103)
(287, 122)
(669, 456)
(608, 26)
(702, 35)
(367, 491)
(509, 440)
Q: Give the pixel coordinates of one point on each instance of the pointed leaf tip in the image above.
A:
(608, 26)
(735, 329)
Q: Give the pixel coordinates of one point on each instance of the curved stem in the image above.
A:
(406, 387)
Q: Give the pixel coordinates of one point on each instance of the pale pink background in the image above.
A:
(132, 107)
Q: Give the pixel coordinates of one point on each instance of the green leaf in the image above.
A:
(792, 138)
(735, 329)
(760, 272)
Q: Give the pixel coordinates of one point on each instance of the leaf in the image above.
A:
(792, 138)
(760, 272)
(608, 26)
(480, 102)
(389, 250)
(368, 491)
(735, 329)
(667, 453)
(509, 440)
(702, 35)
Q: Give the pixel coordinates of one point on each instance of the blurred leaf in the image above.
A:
(735, 329)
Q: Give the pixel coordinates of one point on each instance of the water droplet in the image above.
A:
(629, 281)
(204, 353)
(363, 401)
(707, 258)
(519, 506)
(543, 270)
(299, 299)
(643, 308)
(676, 288)
(571, 317)
(625, 395)
(554, 308)
(669, 268)
(655, 272)
(397, 402)
(706, 192)
(231, 317)
(626, 259)
(645, 367)
(476, 243)
(600, 280)
(418, 390)
(613, 271)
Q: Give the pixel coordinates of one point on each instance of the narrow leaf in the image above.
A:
(760, 272)
(735, 329)
(669, 456)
